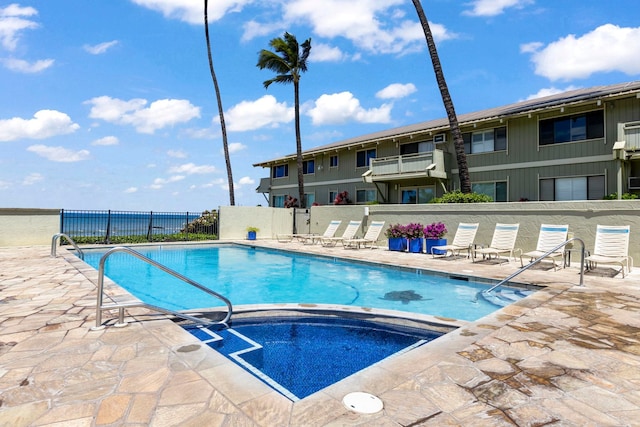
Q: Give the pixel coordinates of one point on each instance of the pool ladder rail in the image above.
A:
(101, 306)
(487, 292)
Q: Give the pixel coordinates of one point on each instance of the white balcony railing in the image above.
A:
(429, 164)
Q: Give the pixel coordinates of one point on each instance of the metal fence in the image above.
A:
(109, 226)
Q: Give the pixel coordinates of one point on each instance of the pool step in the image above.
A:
(504, 297)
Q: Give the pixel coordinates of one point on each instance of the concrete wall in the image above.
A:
(234, 221)
(24, 227)
(582, 217)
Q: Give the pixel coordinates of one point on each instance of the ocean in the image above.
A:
(77, 223)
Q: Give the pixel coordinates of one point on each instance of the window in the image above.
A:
(280, 171)
(575, 188)
(485, 141)
(417, 195)
(278, 201)
(416, 147)
(363, 158)
(578, 127)
(364, 196)
(333, 161)
(309, 199)
(332, 197)
(496, 190)
(308, 167)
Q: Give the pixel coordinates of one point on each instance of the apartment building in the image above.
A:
(577, 145)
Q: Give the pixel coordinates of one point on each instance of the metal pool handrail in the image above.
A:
(543, 256)
(121, 306)
(69, 239)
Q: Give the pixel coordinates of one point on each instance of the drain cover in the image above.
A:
(363, 403)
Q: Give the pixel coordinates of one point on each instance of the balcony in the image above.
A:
(419, 165)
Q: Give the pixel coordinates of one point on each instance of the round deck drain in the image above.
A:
(363, 403)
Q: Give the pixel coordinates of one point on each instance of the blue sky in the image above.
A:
(109, 104)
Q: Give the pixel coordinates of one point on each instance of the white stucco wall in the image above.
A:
(234, 221)
(24, 227)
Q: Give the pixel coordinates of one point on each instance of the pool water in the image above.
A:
(248, 275)
(298, 356)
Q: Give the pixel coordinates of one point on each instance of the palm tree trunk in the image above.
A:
(461, 157)
(296, 94)
(225, 145)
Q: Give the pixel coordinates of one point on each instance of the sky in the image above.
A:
(110, 104)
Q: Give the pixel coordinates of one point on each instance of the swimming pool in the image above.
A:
(247, 275)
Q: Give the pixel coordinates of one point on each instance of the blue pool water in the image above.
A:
(298, 356)
(247, 275)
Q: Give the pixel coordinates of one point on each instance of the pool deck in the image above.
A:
(565, 356)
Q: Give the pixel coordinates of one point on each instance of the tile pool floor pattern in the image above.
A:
(567, 356)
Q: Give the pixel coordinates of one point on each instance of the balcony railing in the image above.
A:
(429, 164)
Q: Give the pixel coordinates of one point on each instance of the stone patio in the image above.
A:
(565, 356)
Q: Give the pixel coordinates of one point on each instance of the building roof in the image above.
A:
(511, 110)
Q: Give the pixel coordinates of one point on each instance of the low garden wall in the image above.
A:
(26, 227)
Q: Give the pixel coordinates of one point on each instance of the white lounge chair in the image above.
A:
(310, 238)
(550, 236)
(612, 247)
(503, 242)
(463, 240)
(349, 233)
(370, 237)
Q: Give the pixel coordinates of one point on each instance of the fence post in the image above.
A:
(107, 237)
(62, 221)
(150, 228)
(186, 228)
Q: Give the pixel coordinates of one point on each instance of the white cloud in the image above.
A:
(342, 107)
(32, 179)
(244, 181)
(191, 11)
(100, 48)
(607, 48)
(4, 185)
(177, 154)
(374, 26)
(12, 24)
(159, 114)
(190, 169)
(235, 147)
(396, 90)
(59, 154)
(550, 91)
(324, 53)
(107, 140)
(130, 190)
(158, 183)
(22, 66)
(45, 124)
(494, 7)
(263, 112)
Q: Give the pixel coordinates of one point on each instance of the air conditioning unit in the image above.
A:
(440, 138)
(634, 183)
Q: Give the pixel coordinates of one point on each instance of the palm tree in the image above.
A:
(225, 145)
(288, 62)
(463, 170)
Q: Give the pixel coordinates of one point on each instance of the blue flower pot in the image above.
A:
(415, 245)
(397, 244)
(251, 235)
(436, 242)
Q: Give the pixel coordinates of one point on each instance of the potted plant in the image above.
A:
(414, 232)
(434, 234)
(251, 233)
(396, 237)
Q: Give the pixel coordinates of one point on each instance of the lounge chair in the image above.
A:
(349, 233)
(463, 240)
(310, 238)
(503, 242)
(370, 238)
(612, 247)
(549, 238)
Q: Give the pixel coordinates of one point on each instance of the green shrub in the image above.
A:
(625, 196)
(458, 196)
